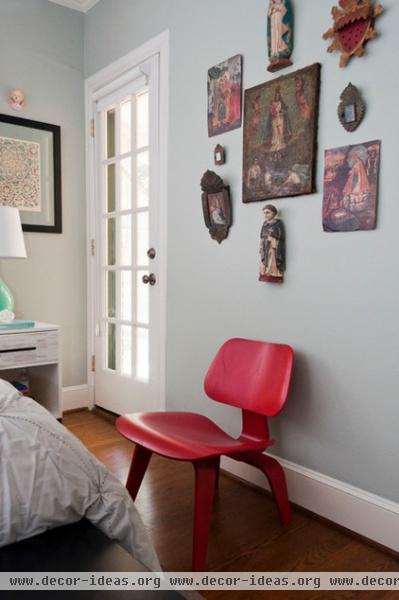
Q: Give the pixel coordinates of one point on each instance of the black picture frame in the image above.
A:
(53, 201)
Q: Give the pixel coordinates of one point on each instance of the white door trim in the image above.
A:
(108, 79)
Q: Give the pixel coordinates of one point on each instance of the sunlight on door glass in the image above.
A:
(111, 193)
(126, 127)
(143, 179)
(126, 184)
(142, 121)
(126, 295)
(125, 223)
(111, 133)
(142, 237)
(142, 354)
(143, 299)
(111, 346)
(111, 293)
(126, 350)
(111, 242)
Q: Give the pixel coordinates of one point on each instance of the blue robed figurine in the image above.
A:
(280, 23)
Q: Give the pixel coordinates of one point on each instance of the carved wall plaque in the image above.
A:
(353, 27)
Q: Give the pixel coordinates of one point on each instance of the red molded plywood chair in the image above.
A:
(250, 375)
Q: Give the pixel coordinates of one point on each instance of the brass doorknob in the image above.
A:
(151, 279)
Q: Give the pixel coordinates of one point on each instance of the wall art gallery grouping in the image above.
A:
(280, 119)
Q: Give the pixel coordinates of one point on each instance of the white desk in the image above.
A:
(36, 349)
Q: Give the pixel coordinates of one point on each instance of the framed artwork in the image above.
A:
(224, 96)
(216, 206)
(351, 187)
(280, 129)
(30, 172)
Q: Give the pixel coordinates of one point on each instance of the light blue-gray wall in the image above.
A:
(41, 52)
(338, 305)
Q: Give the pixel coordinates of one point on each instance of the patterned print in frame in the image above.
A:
(351, 187)
(20, 174)
(280, 129)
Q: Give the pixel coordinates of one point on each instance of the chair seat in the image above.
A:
(183, 435)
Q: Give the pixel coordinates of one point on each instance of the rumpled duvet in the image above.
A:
(48, 478)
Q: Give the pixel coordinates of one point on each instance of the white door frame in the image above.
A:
(106, 80)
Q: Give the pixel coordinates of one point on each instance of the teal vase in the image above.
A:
(6, 297)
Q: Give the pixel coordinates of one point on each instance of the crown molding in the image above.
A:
(81, 5)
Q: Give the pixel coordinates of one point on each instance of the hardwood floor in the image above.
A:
(245, 533)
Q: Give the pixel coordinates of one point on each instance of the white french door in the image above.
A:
(127, 300)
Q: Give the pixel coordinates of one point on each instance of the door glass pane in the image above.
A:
(142, 170)
(143, 237)
(126, 295)
(142, 121)
(111, 346)
(126, 184)
(142, 354)
(126, 126)
(110, 188)
(111, 242)
(143, 299)
(111, 294)
(126, 349)
(111, 133)
(126, 240)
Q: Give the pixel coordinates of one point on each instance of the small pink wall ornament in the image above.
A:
(16, 99)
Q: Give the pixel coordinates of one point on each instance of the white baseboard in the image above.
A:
(367, 514)
(75, 397)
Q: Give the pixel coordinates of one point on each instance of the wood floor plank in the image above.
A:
(245, 533)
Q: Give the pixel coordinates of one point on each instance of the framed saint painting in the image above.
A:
(280, 131)
(30, 172)
(351, 187)
(224, 96)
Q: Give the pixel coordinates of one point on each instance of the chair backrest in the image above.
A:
(251, 375)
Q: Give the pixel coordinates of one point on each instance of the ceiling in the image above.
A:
(82, 5)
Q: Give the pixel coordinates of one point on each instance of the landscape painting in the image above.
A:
(224, 96)
(280, 129)
(351, 187)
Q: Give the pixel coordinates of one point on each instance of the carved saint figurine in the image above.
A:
(279, 34)
(272, 247)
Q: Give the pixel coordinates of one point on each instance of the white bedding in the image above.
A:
(48, 478)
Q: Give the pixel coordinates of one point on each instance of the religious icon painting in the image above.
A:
(216, 206)
(351, 187)
(224, 96)
(280, 130)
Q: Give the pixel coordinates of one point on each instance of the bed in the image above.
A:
(49, 479)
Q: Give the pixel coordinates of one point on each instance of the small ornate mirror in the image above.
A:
(351, 109)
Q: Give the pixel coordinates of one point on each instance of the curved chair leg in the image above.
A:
(206, 472)
(276, 476)
(138, 467)
(217, 473)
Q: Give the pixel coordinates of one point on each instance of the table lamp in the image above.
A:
(12, 245)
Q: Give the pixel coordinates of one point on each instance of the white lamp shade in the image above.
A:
(12, 244)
